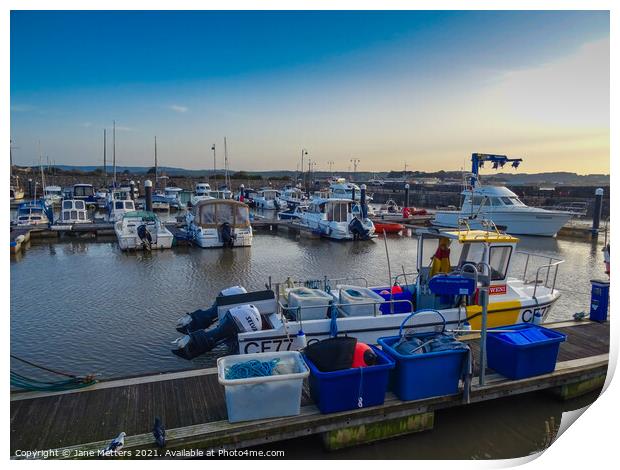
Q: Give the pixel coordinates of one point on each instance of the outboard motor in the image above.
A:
(227, 235)
(202, 319)
(358, 230)
(145, 236)
(239, 319)
(276, 204)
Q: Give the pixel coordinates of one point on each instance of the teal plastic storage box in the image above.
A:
(425, 375)
(527, 351)
(263, 397)
(350, 389)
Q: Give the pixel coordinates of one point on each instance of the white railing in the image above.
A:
(551, 265)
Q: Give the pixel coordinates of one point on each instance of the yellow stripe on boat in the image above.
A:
(500, 314)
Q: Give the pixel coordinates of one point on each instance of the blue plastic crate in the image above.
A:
(528, 351)
(341, 390)
(424, 375)
(397, 307)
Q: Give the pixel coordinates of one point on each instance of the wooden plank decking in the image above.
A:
(191, 404)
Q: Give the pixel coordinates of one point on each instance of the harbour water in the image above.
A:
(87, 307)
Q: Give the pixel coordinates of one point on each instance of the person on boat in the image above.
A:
(406, 212)
(441, 258)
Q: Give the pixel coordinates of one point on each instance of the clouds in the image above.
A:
(177, 108)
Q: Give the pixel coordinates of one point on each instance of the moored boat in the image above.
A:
(445, 293)
(501, 205)
(388, 227)
(215, 223)
(339, 219)
(142, 230)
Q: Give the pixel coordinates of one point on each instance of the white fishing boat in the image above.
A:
(52, 195)
(339, 219)
(142, 230)
(74, 211)
(269, 199)
(216, 223)
(201, 193)
(172, 195)
(444, 295)
(102, 198)
(501, 205)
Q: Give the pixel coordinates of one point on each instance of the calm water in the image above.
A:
(87, 307)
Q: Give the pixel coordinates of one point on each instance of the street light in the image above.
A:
(303, 152)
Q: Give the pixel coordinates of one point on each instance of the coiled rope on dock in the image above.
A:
(72, 381)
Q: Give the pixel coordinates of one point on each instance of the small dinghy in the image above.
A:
(388, 227)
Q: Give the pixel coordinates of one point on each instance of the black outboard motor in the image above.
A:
(358, 230)
(238, 319)
(202, 319)
(202, 341)
(276, 204)
(145, 236)
(227, 235)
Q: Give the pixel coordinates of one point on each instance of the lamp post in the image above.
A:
(303, 152)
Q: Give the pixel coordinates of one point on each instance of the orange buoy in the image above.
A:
(363, 356)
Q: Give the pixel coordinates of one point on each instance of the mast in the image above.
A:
(114, 150)
(105, 165)
(225, 164)
(155, 162)
(41, 169)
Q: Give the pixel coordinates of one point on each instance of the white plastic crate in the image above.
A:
(263, 397)
(313, 303)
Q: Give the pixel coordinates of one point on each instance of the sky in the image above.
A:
(425, 89)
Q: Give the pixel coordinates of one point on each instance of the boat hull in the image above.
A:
(369, 329)
(210, 238)
(538, 223)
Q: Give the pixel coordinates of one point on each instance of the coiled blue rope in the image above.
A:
(249, 369)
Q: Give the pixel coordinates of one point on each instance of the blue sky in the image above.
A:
(426, 88)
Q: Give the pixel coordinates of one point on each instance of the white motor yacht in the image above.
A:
(216, 223)
(268, 199)
(339, 219)
(201, 193)
(500, 205)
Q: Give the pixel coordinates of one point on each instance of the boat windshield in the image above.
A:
(83, 191)
(217, 214)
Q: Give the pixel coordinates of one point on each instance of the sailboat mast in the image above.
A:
(114, 151)
(105, 163)
(155, 162)
(226, 182)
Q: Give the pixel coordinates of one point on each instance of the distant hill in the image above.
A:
(548, 178)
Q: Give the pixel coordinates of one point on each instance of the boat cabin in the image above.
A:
(463, 253)
(212, 213)
(492, 198)
(83, 191)
(335, 210)
(74, 211)
(202, 189)
(53, 192)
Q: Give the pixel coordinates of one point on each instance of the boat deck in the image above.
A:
(192, 407)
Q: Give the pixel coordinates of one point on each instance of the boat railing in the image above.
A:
(548, 270)
(340, 307)
(405, 277)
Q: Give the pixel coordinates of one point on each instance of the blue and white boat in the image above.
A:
(33, 213)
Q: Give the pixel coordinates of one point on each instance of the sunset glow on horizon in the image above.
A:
(388, 88)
